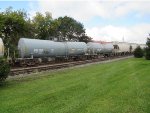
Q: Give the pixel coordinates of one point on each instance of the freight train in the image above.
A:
(35, 51)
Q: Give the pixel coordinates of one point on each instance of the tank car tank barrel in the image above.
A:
(46, 48)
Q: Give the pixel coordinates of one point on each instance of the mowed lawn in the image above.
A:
(116, 87)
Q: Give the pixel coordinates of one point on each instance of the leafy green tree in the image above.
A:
(54, 28)
(42, 25)
(70, 29)
(147, 49)
(85, 39)
(4, 69)
(13, 26)
(138, 52)
(63, 28)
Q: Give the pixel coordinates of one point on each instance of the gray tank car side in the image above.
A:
(75, 48)
(29, 48)
(108, 48)
(40, 48)
(94, 48)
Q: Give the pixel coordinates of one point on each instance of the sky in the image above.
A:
(105, 20)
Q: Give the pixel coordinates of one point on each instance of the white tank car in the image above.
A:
(133, 46)
(94, 48)
(121, 47)
(142, 46)
(29, 48)
(1, 48)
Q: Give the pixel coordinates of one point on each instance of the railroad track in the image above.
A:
(28, 70)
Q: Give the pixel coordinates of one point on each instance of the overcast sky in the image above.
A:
(106, 20)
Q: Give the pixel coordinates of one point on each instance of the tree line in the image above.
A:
(16, 23)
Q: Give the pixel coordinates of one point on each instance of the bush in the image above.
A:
(4, 69)
(147, 53)
(147, 50)
(138, 52)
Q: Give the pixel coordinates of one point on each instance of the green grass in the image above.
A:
(116, 87)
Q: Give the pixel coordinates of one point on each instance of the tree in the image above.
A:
(42, 25)
(85, 39)
(4, 69)
(147, 49)
(70, 29)
(138, 52)
(63, 28)
(13, 26)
